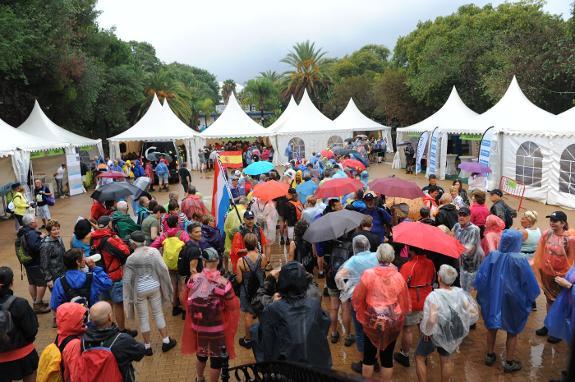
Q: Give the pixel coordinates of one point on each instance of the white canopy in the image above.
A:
(290, 109)
(155, 126)
(39, 125)
(234, 123)
(353, 119)
(192, 145)
(14, 139)
(307, 119)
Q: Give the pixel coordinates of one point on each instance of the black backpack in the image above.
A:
(79, 295)
(340, 252)
(255, 280)
(509, 215)
(6, 323)
(304, 254)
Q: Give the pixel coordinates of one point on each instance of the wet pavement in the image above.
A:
(541, 360)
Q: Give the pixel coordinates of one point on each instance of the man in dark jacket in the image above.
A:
(102, 331)
(500, 209)
(365, 230)
(31, 239)
(380, 216)
(447, 212)
(433, 182)
(294, 327)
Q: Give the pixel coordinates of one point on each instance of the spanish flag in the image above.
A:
(231, 159)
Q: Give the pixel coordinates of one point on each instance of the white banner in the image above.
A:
(432, 155)
(75, 184)
(485, 148)
(421, 145)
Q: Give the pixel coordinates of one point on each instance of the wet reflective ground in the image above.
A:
(541, 360)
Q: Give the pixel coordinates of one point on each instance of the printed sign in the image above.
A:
(432, 157)
(421, 145)
(74, 173)
(485, 148)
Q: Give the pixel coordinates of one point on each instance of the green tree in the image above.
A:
(359, 88)
(272, 75)
(206, 106)
(163, 85)
(228, 87)
(260, 92)
(307, 63)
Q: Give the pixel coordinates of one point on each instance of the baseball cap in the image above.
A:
(103, 221)
(249, 215)
(557, 216)
(138, 237)
(464, 211)
(210, 254)
(369, 196)
(496, 191)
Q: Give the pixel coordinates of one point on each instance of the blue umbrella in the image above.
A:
(258, 168)
(305, 189)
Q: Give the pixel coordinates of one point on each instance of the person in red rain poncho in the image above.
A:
(71, 319)
(381, 303)
(213, 314)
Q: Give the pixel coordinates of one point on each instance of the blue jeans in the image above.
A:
(359, 339)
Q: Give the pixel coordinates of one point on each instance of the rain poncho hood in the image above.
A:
(506, 286)
(456, 312)
(293, 281)
(560, 319)
(492, 234)
(381, 302)
(70, 318)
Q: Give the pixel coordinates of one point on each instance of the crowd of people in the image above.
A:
(397, 303)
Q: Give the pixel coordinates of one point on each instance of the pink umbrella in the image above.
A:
(111, 175)
(396, 187)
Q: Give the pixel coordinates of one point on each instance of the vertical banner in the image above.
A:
(421, 145)
(432, 155)
(485, 147)
(75, 184)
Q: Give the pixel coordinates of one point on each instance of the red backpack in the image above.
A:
(97, 364)
(114, 253)
(298, 209)
(418, 282)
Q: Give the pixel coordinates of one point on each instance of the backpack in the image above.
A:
(340, 252)
(172, 246)
(255, 279)
(454, 325)
(113, 248)
(422, 289)
(22, 254)
(509, 214)
(51, 365)
(78, 295)
(304, 254)
(97, 364)
(6, 323)
(298, 209)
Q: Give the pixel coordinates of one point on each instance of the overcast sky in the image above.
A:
(237, 39)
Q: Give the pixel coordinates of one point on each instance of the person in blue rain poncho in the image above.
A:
(506, 289)
(560, 320)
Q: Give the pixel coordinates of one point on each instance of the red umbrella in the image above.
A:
(111, 175)
(353, 163)
(327, 154)
(428, 237)
(338, 187)
(396, 187)
(270, 190)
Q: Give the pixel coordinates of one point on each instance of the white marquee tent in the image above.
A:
(234, 123)
(351, 118)
(306, 131)
(290, 109)
(192, 145)
(521, 142)
(454, 117)
(155, 126)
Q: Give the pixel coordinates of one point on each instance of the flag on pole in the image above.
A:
(231, 159)
(220, 196)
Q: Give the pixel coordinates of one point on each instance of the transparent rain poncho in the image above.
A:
(350, 272)
(447, 316)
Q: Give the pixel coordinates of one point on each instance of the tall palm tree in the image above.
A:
(259, 91)
(228, 87)
(307, 70)
(271, 75)
(166, 88)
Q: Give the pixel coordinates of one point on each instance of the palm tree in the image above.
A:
(271, 75)
(228, 87)
(206, 106)
(259, 91)
(307, 70)
(166, 88)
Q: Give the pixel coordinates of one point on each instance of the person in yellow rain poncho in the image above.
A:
(231, 226)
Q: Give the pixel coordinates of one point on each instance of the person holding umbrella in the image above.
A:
(380, 216)
(468, 234)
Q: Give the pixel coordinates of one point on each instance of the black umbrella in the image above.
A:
(341, 151)
(114, 191)
(332, 226)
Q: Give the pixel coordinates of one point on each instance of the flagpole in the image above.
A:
(227, 187)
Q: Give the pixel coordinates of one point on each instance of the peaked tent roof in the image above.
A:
(307, 119)
(13, 139)
(351, 118)
(39, 125)
(290, 109)
(234, 123)
(453, 117)
(173, 118)
(514, 113)
(155, 125)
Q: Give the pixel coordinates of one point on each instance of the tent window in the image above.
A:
(567, 171)
(298, 148)
(335, 141)
(529, 164)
